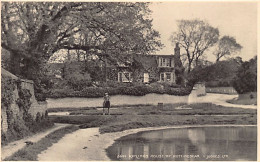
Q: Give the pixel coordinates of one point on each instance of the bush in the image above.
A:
(135, 90)
(78, 81)
(221, 83)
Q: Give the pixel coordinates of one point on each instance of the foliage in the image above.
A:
(78, 81)
(23, 101)
(127, 89)
(22, 124)
(7, 88)
(33, 31)
(226, 46)
(195, 36)
(246, 77)
(216, 75)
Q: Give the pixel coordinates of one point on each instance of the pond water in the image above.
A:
(116, 100)
(188, 144)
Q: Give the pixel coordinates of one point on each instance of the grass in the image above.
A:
(90, 108)
(138, 116)
(168, 109)
(151, 116)
(245, 99)
(30, 153)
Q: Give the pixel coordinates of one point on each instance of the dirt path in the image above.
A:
(13, 147)
(89, 145)
(220, 99)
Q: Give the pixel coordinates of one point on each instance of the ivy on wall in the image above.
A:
(7, 88)
(19, 125)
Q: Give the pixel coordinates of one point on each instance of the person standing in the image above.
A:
(106, 103)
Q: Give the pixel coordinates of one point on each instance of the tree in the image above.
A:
(33, 31)
(246, 77)
(218, 74)
(195, 36)
(226, 46)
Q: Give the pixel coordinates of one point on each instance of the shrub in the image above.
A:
(78, 81)
(138, 90)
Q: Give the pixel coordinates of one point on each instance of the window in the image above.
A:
(127, 75)
(168, 76)
(168, 63)
(163, 60)
(160, 61)
(162, 76)
(124, 77)
(120, 77)
(146, 77)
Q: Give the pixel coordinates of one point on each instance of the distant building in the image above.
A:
(151, 68)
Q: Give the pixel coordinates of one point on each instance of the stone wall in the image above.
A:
(200, 89)
(221, 90)
(35, 106)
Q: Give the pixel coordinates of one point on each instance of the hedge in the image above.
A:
(139, 90)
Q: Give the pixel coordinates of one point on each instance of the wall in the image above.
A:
(35, 106)
(221, 90)
(200, 89)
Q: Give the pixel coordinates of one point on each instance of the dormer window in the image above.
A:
(165, 62)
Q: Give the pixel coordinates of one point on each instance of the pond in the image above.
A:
(188, 144)
(116, 100)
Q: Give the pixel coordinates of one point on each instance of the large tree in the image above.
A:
(195, 36)
(246, 78)
(226, 46)
(33, 31)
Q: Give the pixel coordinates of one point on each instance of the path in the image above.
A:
(13, 147)
(152, 98)
(89, 145)
(220, 99)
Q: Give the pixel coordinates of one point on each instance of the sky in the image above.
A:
(236, 19)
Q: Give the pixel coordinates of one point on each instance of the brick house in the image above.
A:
(152, 68)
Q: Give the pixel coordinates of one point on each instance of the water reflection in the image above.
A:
(208, 143)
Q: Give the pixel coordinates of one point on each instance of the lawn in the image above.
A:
(245, 99)
(140, 116)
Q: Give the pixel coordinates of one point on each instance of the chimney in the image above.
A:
(177, 50)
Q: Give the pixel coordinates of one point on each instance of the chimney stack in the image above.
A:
(177, 50)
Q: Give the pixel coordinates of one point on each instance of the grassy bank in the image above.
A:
(150, 116)
(31, 152)
(245, 99)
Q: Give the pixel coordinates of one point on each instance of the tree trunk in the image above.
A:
(15, 60)
(189, 67)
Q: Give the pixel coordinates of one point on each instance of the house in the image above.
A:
(135, 68)
(151, 68)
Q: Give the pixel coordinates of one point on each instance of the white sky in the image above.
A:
(237, 19)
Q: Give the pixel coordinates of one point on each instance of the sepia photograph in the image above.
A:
(129, 80)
